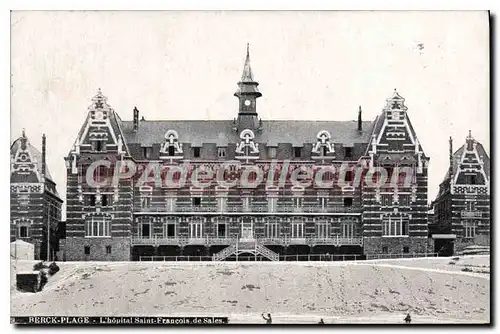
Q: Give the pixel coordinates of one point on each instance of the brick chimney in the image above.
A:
(44, 152)
(360, 122)
(136, 119)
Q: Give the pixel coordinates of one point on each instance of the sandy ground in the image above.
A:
(378, 291)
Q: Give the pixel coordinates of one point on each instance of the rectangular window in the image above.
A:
(272, 230)
(221, 152)
(297, 152)
(406, 249)
(104, 199)
(323, 202)
(145, 230)
(395, 226)
(108, 249)
(469, 229)
(470, 206)
(23, 232)
(272, 204)
(146, 152)
(98, 145)
(297, 202)
(86, 250)
(196, 230)
(271, 152)
(404, 200)
(196, 152)
(384, 249)
(347, 152)
(386, 200)
(323, 151)
(170, 230)
(145, 200)
(348, 230)
(196, 201)
(471, 179)
(98, 227)
(297, 230)
(349, 176)
(323, 230)
(171, 151)
(91, 200)
(221, 230)
(347, 201)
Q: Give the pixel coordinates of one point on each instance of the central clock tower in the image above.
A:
(247, 92)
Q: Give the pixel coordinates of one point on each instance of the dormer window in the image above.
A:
(297, 151)
(196, 152)
(323, 146)
(221, 152)
(98, 145)
(347, 152)
(247, 144)
(171, 146)
(146, 152)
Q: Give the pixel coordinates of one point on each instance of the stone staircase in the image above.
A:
(246, 246)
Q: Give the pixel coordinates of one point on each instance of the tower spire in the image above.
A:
(247, 75)
(450, 169)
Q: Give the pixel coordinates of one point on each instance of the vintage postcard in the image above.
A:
(250, 167)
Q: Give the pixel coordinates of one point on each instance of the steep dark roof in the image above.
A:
(35, 154)
(221, 132)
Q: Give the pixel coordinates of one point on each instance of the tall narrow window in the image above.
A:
(297, 230)
(347, 201)
(108, 249)
(297, 202)
(469, 229)
(297, 151)
(221, 152)
(146, 151)
(347, 152)
(171, 151)
(23, 231)
(86, 250)
(169, 230)
(196, 152)
(348, 229)
(272, 230)
(196, 201)
(196, 230)
(323, 230)
(221, 230)
(271, 152)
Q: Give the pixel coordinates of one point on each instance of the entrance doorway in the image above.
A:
(246, 231)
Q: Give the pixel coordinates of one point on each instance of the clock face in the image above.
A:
(247, 102)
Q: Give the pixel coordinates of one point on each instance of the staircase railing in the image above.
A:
(264, 251)
(228, 251)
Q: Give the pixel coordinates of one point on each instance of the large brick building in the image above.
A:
(128, 219)
(34, 202)
(462, 206)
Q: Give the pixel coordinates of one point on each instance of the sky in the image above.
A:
(310, 65)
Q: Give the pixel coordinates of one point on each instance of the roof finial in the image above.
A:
(24, 133)
(99, 91)
(470, 133)
(248, 50)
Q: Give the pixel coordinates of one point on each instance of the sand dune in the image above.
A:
(378, 291)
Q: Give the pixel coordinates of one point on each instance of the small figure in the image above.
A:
(408, 318)
(321, 321)
(268, 320)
